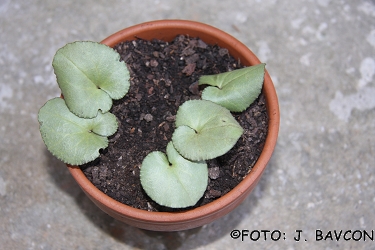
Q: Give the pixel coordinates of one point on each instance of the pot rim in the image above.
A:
(247, 58)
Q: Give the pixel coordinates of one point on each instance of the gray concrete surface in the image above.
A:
(321, 56)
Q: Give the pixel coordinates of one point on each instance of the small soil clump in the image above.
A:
(163, 76)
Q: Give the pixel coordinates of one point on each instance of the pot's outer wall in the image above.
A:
(167, 30)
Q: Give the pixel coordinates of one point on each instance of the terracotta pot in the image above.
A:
(166, 221)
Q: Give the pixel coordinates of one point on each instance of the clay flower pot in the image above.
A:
(173, 221)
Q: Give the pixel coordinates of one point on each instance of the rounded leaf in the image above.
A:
(171, 180)
(90, 75)
(234, 90)
(204, 130)
(72, 139)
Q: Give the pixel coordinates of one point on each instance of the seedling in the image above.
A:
(171, 180)
(205, 129)
(90, 75)
(236, 89)
(70, 138)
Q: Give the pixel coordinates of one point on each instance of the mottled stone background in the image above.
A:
(321, 56)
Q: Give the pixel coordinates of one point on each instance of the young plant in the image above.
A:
(89, 75)
(205, 129)
(70, 138)
(236, 89)
(171, 180)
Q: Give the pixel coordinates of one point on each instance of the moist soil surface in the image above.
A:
(163, 76)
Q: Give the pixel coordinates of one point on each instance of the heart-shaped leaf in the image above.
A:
(236, 89)
(171, 180)
(72, 139)
(205, 130)
(90, 75)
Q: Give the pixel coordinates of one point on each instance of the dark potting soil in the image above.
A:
(163, 76)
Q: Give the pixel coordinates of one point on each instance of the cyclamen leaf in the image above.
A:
(72, 139)
(236, 89)
(171, 180)
(90, 75)
(204, 130)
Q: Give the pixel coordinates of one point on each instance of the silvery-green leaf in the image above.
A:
(204, 130)
(72, 139)
(90, 75)
(236, 89)
(171, 180)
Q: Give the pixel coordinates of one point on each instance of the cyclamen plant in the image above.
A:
(89, 75)
(76, 127)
